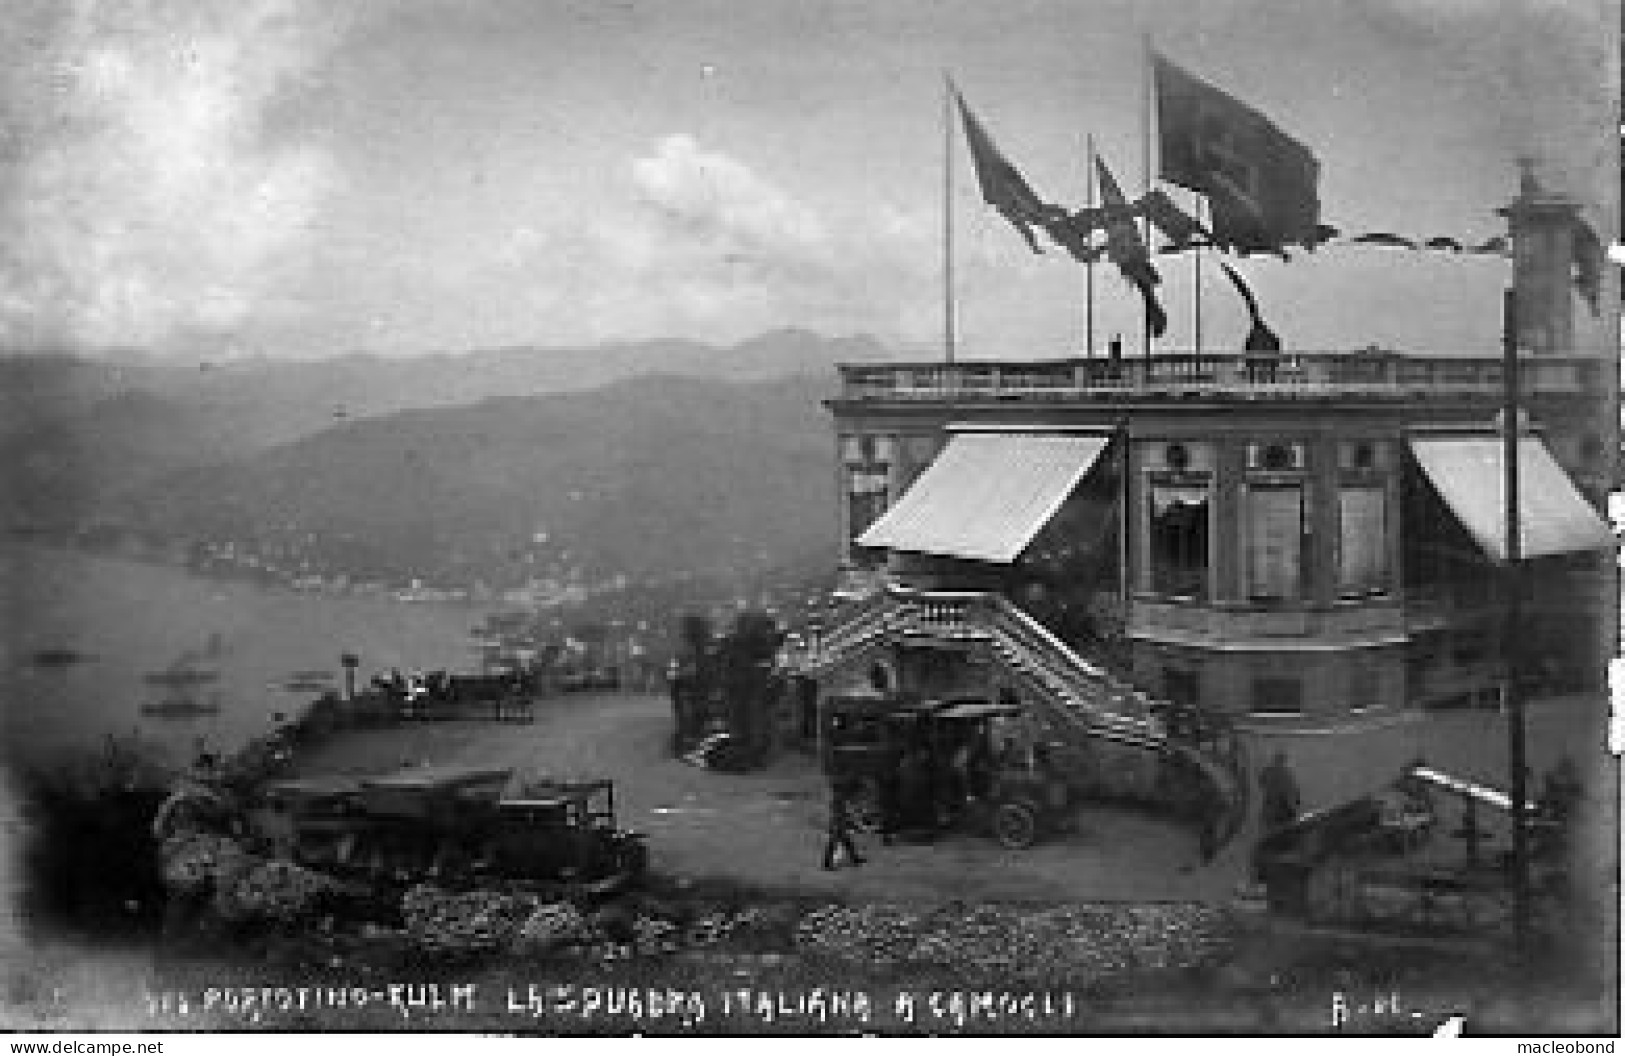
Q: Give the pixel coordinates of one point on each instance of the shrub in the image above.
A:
(90, 862)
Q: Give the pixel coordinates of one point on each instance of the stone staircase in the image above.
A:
(1084, 699)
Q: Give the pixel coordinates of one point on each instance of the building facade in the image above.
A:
(1301, 538)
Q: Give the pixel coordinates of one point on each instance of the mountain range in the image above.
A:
(658, 460)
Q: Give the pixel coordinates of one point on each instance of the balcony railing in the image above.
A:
(1302, 375)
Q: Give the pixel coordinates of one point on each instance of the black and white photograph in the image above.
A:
(810, 518)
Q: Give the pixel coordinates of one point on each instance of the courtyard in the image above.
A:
(766, 828)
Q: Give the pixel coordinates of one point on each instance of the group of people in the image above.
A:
(923, 793)
(926, 791)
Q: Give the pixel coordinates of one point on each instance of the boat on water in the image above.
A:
(59, 657)
(182, 677)
(180, 708)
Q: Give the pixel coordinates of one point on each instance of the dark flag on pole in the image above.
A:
(1261, 184)
(1127, 250)
(1588, 260)
(1383, 238)
(1071, 231)
(1003, 187)
(1260, 338)
(1185, 231)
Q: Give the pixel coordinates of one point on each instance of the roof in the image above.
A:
(986, 495)
(1469, 474)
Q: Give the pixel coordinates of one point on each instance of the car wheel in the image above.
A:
(1015, 825)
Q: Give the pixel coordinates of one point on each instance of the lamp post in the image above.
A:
(350, 661)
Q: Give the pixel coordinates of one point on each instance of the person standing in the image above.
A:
(1280, 801)
(840, 824)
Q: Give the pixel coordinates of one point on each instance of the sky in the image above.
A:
(300, 178)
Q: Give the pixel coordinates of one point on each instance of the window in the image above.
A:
(1277, 696)
(1178, 539)
(866, 499)
(1362, 541)
(867, 449)
(1182, 686)
(1274, 541)
(867, 458)
(1362, 687)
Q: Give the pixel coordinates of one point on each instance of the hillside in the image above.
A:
(653, 478)
(76, 432)
(71, 463)
(273, 401)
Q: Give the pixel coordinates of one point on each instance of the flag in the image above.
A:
(1323, 233)
(1261, 184)
(1383, 238)
(1260, 338)
(1003, 187)
(1588, 258)
(1184, 230)
(1126, 249)
(1072, 232)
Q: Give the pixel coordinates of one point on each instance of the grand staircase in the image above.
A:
(1084, 699)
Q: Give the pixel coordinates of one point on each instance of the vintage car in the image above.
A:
(918, 766)
(457, 826)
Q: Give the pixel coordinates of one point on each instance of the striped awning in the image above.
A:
(986, 495)
(1469, 474)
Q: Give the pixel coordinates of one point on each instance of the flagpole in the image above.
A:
(948, 336)
(1196, 266)
(1145, 161)
(1089, 265)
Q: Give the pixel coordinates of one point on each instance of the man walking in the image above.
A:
(1280, 799)
(840, 824)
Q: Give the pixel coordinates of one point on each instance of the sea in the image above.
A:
(88, 641)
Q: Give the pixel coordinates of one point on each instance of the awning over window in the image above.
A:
(1553, 517)
(986, 495)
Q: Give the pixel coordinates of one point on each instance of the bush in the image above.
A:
(91, 863)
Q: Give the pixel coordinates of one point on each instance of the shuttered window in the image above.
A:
(1277, 696)
(1362, 551)
(1274, 541)
(866, 499)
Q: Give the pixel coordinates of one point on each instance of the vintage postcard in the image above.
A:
(810, 518)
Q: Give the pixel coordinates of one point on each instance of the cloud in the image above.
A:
(148, 194)
(1544, 68)
(717, 205)
(696, 243)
